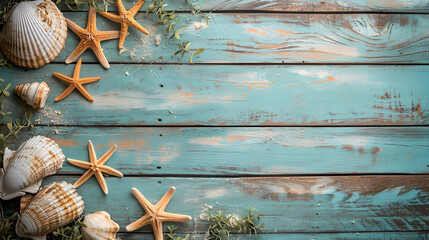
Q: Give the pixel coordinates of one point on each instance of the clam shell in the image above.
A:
(34, 33)
(99, 226)
(24, 169)
(35, 94)
(54, 206)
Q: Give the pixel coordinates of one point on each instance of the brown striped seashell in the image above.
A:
(24, 169)
(54, 206)
(35, 94)
(34, 33)
(99, 226)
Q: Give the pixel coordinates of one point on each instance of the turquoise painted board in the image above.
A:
(273, 38)
(294, 204)
(295, 5)
(242, 151)
(235, 95)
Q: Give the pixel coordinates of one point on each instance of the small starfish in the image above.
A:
(96, 167)
(155, 214)
(76, 82)
(90, 38)
(126, 19)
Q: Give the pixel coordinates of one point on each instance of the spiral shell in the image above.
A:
(24, 169)
(35, 94)
(99, 226)
(54, 206)
(34, 33)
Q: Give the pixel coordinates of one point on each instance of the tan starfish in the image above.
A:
(155, 214)
(126, 19)
(75, 82)
(96, 167)
(90, 38)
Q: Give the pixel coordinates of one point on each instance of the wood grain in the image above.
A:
(234, 95)
(289, 204)
(224, 151)
(273, 38)
(294, 5)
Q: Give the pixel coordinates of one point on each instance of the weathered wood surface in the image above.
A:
(235, 95)
(289, 204)
(294, 6)
(247, 151)
(301, 236)
(274, 38)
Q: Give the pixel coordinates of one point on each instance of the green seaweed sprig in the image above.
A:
(173, 236)
(198, 10)
(184, 48)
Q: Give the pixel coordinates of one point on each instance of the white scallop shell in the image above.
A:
(54, 206)
(99, 226)
(34, 33)
(24, 169)
(35, 94)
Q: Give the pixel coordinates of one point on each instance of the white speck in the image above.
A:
(158, 39)
(52, 121)
(127, 74)
(318, 204)
(199, 25)
(353, 222)
(55, 131)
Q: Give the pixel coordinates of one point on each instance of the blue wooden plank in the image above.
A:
(234, 95)
(289, 204)
(224, 151)
(273, 38)
(291, 6)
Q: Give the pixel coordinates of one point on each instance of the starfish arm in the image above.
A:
(65, 93)
(173, 217)
(96, 48)
(137, 26)
(110, 171)
(148, 207)
(77, 69)
(165, 199)
(91, 152)
(89, 80)
(123, 34)
(107, 155)
(77, 163)
(77, 52)
(62, 77)
(91, 24)
(75, 28)
(141, 222)
(107, 35)
(136, 8)
(111, 17)
(157, 229)
(120, 7)
(87, 175)
(102, 182)
(84, 92)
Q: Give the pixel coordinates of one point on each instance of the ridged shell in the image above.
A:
(99, 226)
(34, 33)
(35, 94)
(54, 206)
(24, 169)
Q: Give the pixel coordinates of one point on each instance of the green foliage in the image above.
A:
(195, 10)
(173, 236)
(7, 226)
(69, 232)
(221, 224)
(184, 48)
(168, 18)
(8, 6)
(99, 5)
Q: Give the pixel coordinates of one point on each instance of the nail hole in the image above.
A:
(160, 135)
(159, 182)
(159, 167)
(159, 119)
(161, 85)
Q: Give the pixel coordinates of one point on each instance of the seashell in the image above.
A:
(34, 94)
(25, 200)
(99, 226)
(54, 206)
(24, 169)
(34, 33)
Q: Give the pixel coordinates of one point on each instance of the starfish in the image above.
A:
(90, 38)
(126, 19)
(96, 167)
(155, 214)
(75, 82)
